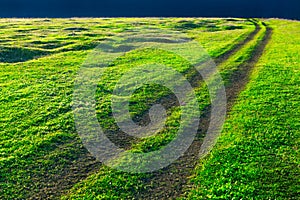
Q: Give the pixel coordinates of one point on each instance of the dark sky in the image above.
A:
(139, 8)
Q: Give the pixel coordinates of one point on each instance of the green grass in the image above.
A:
(257, 155)
(94, 187)
(38, 137)
(39, 60)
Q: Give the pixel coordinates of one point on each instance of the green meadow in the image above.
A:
(256, 155)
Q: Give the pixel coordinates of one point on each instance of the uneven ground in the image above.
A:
(257, 156)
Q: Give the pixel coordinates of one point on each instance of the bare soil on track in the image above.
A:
(168, 182)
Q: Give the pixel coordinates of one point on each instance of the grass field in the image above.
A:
(256, 155)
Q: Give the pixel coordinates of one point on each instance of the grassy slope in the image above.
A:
(37, 133)
(110, 183)
(257, 156)
(36, 120)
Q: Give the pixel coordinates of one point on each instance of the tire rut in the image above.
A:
(172, 181)
(55, 185)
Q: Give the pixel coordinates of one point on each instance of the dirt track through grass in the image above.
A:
(256, 157)
(125, 141)
(170, 182)
(78, 164)
(239, 45)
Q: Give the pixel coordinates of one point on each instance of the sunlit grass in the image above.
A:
(257, 155)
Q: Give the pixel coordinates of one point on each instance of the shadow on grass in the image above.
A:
(17, 54)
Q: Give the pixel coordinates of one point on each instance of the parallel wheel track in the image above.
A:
(169, 182)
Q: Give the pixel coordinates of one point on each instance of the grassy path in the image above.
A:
(166, 183)
(170, 182)
(41, 154)
(226, 55)
(257, 155)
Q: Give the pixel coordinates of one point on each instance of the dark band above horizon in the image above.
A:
(156, 8)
